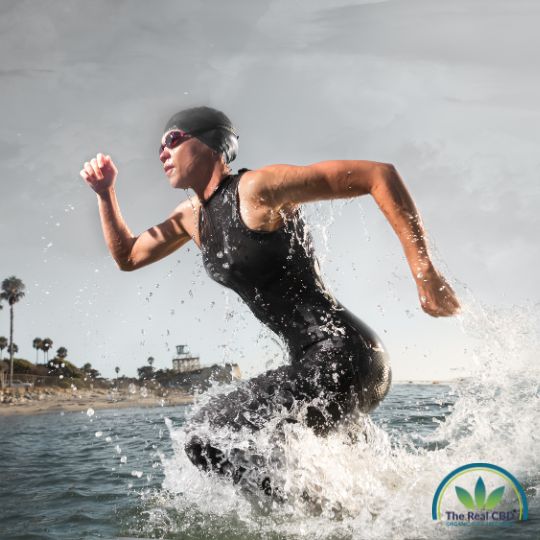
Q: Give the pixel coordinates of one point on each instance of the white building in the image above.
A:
(184, 361)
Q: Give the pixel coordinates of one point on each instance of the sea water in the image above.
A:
(124, 473)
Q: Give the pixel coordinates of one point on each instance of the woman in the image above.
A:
(254, 240)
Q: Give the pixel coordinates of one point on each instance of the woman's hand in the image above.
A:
(100, 173)
(437, 298)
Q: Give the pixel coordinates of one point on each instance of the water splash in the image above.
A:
(367, 479)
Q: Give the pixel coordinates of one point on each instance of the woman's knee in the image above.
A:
(207, 457)
(194, 448)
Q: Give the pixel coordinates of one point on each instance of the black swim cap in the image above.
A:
(210, 126)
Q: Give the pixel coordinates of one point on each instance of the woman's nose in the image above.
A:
(164, 154)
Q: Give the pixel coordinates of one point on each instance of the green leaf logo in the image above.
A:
(480, 493)
(465, 497)
(480, 502)
(494, 498)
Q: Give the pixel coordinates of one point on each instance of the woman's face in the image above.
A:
(185, 158)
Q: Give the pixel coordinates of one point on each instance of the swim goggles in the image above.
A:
(178, 136)
(174, 138)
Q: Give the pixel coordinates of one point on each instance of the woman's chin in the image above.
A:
(178, 182)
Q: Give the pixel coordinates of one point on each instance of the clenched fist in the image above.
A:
(437, 298)
(100, 173)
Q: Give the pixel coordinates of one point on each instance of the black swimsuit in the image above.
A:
(335, 358)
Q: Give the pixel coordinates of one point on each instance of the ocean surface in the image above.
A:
(123, 474)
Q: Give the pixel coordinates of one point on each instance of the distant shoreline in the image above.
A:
(57, 402)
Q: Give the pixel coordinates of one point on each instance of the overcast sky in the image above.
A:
(446, 91)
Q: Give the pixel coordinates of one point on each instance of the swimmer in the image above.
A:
(254, 240)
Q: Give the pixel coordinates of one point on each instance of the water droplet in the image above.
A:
(90, 412)
(99, 434)
(219, 254)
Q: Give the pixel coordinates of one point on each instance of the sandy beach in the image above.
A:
(47, 400)
(51, 399)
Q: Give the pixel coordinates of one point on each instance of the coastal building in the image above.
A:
(185, 361)
(189, 375)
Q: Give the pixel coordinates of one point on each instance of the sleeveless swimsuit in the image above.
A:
(337, 364)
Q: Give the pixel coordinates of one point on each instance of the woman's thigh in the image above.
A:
(332, 378)
(320, 389)
(253, 403)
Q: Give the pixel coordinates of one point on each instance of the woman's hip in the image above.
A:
(347, 366)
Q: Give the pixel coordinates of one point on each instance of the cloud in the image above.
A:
(429, 86)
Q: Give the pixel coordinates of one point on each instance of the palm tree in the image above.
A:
(61, 353)
(36, 344)
(46, 344)
(117, 371)
(150, 360)
(3, 345)
(12, 291)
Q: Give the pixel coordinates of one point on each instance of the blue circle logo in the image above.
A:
(479, 494)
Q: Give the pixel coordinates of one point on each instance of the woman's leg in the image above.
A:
(249, 407)
(333, 378)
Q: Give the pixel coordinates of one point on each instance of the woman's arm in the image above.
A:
(435, 294)
(131, 252)
(285, 185)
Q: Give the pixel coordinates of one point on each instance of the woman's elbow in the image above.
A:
(126, 265)
(388, 171)
(385, 180)
(388, 175)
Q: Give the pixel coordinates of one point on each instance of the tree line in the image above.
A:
(12, 291)
(39, 344)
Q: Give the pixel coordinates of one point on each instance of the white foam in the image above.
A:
(381, 486)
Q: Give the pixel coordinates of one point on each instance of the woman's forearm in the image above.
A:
(393, 198)
(117, 235)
